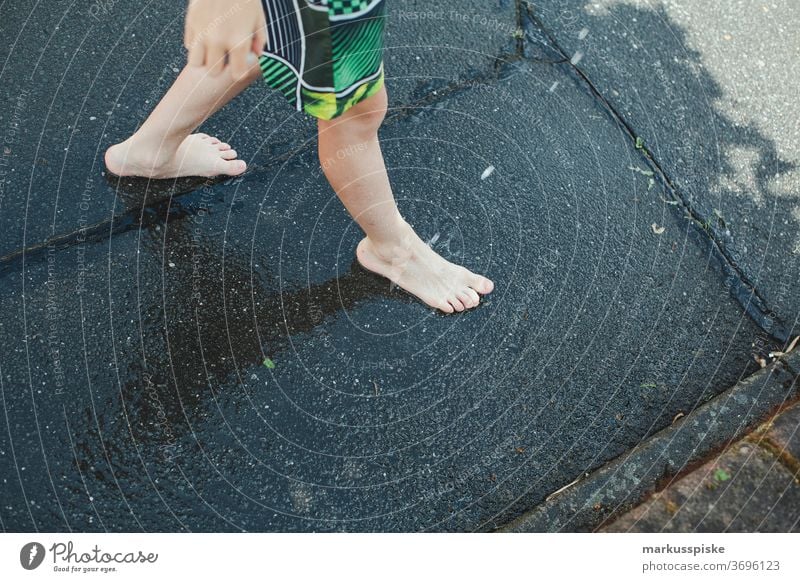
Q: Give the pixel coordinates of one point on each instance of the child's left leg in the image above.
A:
(165, 147)
(351, 158)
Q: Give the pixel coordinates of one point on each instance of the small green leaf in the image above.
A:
(721, 475)
(650, 184)
(639, 143)
(268, 363)
(648, 385)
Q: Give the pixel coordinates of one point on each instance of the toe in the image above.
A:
(482, 284)
(231, 168)
(228, 154)
(473, 295)
(214, 140)
(202, 135)
(457, 305)
(446, 307)
(465, 299)
(222, 146)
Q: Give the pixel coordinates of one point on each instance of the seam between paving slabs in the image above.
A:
(722, 244)
(760, 438)
(744, 292)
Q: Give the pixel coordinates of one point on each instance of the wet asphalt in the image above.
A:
(210, 357)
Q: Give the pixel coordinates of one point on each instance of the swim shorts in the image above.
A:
(324, 56)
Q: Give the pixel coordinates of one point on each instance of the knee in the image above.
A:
(365, 117)
(370, 113)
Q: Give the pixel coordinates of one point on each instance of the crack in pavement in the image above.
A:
(100, 231)
(723, 247)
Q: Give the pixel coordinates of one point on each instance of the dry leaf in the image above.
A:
(789, 349)
(657, 229)
(565, 487)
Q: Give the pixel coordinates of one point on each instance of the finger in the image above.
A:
(197, 54)
(238, 60)
(188, 37)
(215, 58)
(259, 40)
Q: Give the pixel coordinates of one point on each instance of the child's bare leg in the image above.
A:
(164, 146)
(351, 158)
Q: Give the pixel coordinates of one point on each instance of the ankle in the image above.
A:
(147, 153)
(395, 239)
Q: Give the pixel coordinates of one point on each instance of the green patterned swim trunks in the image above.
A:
(324, 56)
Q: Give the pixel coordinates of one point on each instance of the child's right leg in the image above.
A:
(351, 158)
(164, 146)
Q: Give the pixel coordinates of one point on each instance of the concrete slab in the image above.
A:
(159, 411)
(710, 88)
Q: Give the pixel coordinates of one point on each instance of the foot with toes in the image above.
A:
(417, 268)
(197, 155)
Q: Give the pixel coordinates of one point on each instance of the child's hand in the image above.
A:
(215, 28)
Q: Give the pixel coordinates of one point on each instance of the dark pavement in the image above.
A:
(136, 320)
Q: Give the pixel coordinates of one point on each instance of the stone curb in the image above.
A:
(678, 449)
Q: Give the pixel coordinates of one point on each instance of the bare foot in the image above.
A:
(417, 268)
(197, 155)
